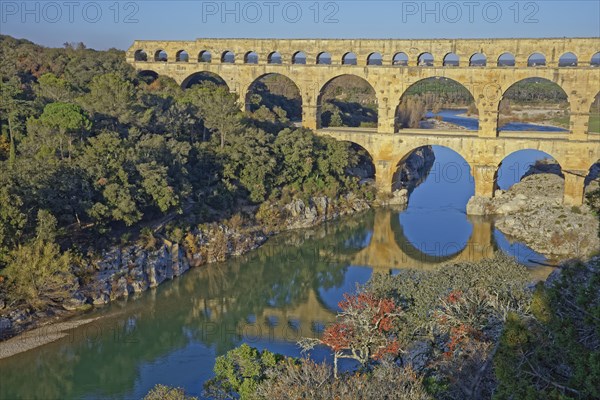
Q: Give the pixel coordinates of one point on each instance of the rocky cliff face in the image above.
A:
(414, 170)
(532, 212)
(122, 271)
(410, 174)
(301, 214)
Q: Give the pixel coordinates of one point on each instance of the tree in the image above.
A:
(336, 120)
(13, 108)
(54, 88)
(219, 109)
(38, 272)
(364, 331)
(250, 162)
(239, 372)
(162, 392)
(104, 160)
(68, 120)
(111, 95)
(554, 353)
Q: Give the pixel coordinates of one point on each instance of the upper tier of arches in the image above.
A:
(533, 53)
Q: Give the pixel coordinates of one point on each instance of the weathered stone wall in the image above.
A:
(575, 150)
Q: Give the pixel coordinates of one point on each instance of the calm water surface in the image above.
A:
(287, 289)
(453, 116)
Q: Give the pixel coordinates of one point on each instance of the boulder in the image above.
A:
(478, 205)
(76, 302)
(5, 325)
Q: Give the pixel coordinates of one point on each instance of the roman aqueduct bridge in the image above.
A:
(391, 67)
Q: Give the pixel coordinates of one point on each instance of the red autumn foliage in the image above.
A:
(454, 296)
(365, 327)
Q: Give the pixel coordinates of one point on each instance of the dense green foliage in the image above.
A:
(162, 392)
(555, 353)
(104, 150)
(240, 371)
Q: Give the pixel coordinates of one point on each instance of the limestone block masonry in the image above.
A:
(240, 62)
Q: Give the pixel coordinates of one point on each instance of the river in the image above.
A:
(456, 116)
(269, 298)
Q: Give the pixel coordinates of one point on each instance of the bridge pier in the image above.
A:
(386, 115)
(574, 187)
(384, 172)
(311, 117)
(579, 126)
(485, 179)
(488, 124)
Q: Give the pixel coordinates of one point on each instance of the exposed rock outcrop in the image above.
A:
(532, 212)
(301, 214)
(414, 170)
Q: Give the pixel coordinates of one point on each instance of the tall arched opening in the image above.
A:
(276, 93)
(437, 103)
(348, 100)
(202, 77)
(534, 104)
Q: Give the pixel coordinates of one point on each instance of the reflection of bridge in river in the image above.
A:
(387, 249)
(390, 249)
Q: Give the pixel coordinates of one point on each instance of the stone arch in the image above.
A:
(526, 92)
(520, 163)
(274, 58)
(324, 58)
(400, 59)
(451, 60)
(140, 55)
(275, 89)
(251, 57)
(595, 60)
(354, 111)
(182, 56)
(349, 58)
(161, 55)
(365, 169)
(536, 60)
(430, 94)
(478, 60)
(594, 122)
(506, 59)
(205, 56)
(375, 58)
(592, 179)
(203, 76)
(568, 59)
(425, 60)
(465, 169)
(228, 57)
(147, 75)
(299, 57)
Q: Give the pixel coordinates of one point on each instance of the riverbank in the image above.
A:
(122, 271)
(532, 212)
(154, 258)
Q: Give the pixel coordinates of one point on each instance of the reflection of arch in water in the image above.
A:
(386, 251)
(417, 254)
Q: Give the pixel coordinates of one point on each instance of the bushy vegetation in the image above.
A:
(469, 330)
(554, 353)
(162, 392)
(105, 152)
